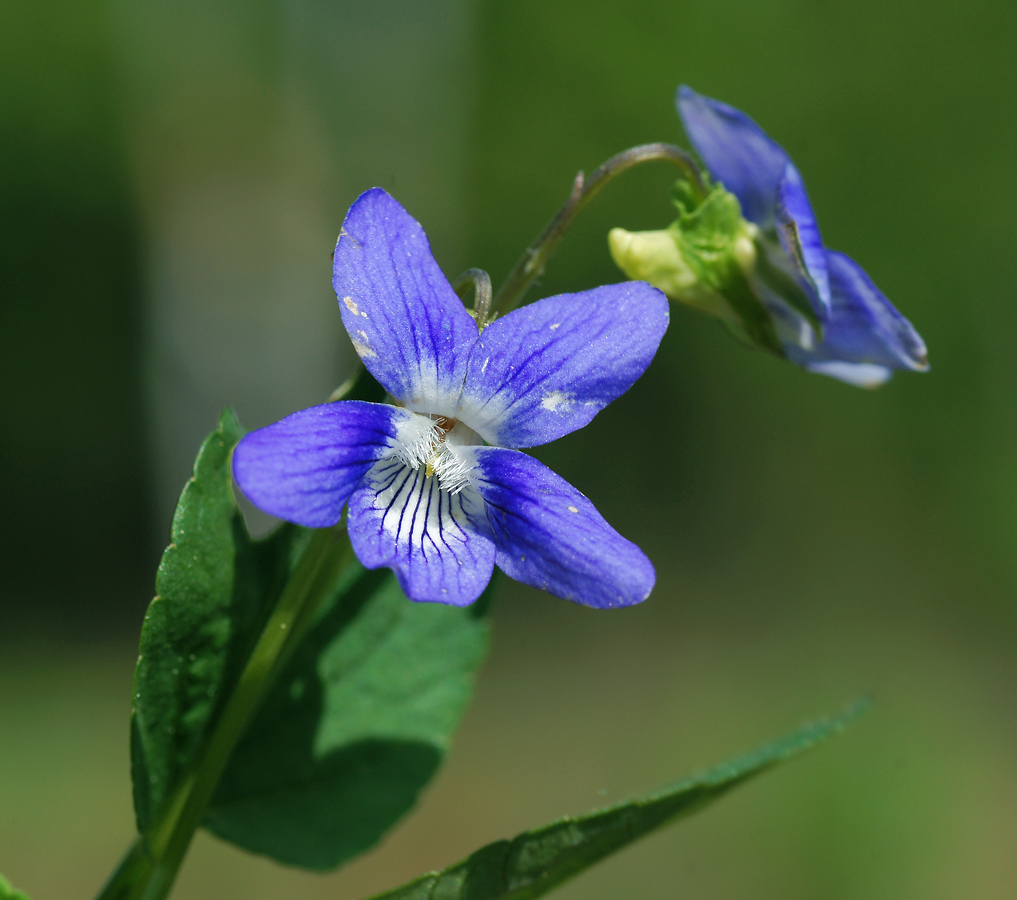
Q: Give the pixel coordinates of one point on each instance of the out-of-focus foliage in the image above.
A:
(72, 449)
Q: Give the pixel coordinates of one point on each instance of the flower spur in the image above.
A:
(436, 486)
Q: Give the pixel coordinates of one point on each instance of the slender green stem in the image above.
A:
(532, 262)
(151, 865)
(134, 869)
(481, 283)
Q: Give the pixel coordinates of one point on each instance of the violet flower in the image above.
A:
(864, 338)
(435, 485)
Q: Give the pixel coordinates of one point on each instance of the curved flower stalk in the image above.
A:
(436, 486)
(751, 254)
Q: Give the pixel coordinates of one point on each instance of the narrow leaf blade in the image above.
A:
(534, 862)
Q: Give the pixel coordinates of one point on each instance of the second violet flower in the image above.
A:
(750, 253)
(436, 486)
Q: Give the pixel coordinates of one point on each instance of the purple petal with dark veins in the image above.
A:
(304, 467)
(549, 536)
(437, 543)
(548, 368)
(405, 321)
(736, 151)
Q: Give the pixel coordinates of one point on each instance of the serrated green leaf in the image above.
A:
(214, 589)
(359, 719)
(534, 862)
(8, 893)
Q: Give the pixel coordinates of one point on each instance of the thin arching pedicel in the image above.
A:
(481, 284)
(532, 262)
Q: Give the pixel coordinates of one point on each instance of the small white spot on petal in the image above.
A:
(554, 399)
(351, 306)
(363, 351)
(483, 368)
(573, 509)
(555, 325)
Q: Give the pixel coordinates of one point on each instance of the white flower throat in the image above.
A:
(439, 444)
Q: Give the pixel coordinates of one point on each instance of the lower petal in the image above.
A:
(435, 541)
(865, 338)
(549, 536)
(304, 467)
(866, 327)
(866, 375)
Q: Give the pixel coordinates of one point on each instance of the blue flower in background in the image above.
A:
(864, 337)
(436, 488)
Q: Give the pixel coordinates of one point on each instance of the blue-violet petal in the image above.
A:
(405, 321)
(548, 368)
(864, 327)
(799, 235)
(736, 151)
(437, 542)
(304, 467)
(549, 536)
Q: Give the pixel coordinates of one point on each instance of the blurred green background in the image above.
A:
(171, 183)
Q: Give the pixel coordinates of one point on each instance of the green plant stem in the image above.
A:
(480, 281)
(532, 262)
(150, 866)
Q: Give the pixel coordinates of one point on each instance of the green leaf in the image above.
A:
(8, 893)
(355, 727)
(534, 862)
(199, 629)
(361, 715)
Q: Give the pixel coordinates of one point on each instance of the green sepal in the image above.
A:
(533, 863)
(712, 237)
(8, 893)
(344, 711)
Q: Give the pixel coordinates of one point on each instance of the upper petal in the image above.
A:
(405, 321)
(799, 235)
(548, 368)
(736, 151)
(304, 467)
(549, 536)
(437, 542)
(864, 334)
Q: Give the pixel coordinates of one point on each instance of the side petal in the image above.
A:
(304, 467)
(799, 235)
(548, 368)
(437, 543)
(736, 151)
(405, 321)
(549, 536)
(863, 328)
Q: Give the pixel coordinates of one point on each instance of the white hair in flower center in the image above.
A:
(438, 443)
